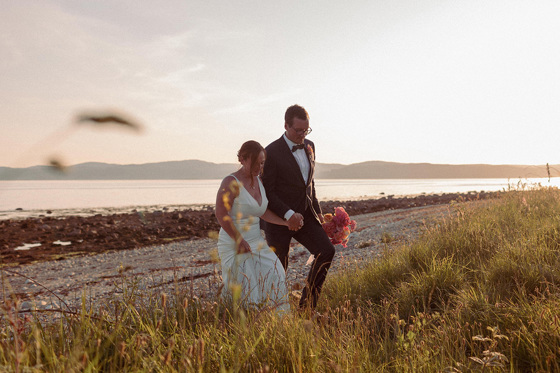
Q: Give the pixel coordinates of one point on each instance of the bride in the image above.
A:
(248, 263)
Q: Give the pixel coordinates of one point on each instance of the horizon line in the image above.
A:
(324, 163)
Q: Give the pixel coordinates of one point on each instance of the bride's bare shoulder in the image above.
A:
(230, 184)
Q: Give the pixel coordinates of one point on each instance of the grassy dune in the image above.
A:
(477, 292)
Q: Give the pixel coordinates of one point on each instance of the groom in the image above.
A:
(290, 189)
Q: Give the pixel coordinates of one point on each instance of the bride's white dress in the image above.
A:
(260, 273)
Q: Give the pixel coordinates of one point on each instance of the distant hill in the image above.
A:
(393, 170)
(195, 169)
(175, 170)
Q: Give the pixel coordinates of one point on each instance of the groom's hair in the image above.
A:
(295, 111)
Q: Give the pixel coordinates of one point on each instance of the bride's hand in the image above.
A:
(243, 247)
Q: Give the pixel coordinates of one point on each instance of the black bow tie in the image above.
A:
(296, 147)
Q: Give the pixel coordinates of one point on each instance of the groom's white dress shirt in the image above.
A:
(303, 162)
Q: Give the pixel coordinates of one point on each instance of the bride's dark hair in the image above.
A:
(250, 150)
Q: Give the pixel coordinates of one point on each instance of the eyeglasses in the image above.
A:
(301, 132)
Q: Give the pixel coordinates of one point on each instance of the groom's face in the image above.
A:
(298, 130)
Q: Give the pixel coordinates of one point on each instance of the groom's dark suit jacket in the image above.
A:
(284, 183)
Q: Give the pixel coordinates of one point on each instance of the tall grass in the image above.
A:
(477, 292)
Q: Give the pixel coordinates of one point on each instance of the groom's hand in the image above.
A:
(295, 222)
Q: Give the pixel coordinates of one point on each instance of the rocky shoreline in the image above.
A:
(192, 267)
(69, 236)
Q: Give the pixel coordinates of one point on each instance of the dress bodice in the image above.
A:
(246, 210)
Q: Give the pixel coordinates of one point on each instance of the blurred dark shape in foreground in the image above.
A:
(109, 118)
(57, 165)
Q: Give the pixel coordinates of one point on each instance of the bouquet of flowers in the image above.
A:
(339, 226)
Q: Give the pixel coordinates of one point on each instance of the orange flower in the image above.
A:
(310, 152)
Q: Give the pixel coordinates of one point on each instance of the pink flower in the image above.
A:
(341, 217)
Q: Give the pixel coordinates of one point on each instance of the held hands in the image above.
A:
(295, 222)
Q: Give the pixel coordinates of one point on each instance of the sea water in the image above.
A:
(82, 194)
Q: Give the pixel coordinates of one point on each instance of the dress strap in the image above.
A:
(238, 182)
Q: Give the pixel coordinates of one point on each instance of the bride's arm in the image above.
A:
(227, 193)
(271, 217)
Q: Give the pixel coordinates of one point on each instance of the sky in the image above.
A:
(454, 82)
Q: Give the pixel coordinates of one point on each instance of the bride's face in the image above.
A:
(246, 163)
(260, 164)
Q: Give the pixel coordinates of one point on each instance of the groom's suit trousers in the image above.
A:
(314, 238)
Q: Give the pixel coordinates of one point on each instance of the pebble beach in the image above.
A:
(191, 266)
